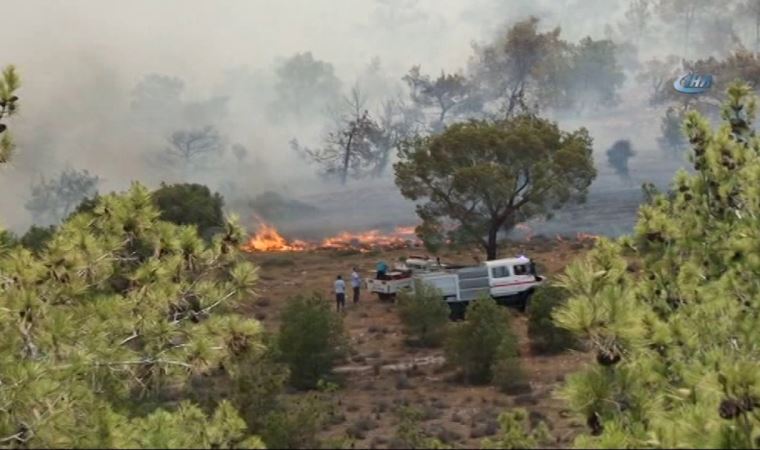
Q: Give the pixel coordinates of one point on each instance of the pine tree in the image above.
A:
(676, 342)
(9, 84)
(104, 327)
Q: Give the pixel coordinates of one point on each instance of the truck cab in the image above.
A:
(512, 276)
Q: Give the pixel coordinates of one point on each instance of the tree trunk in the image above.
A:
(346, 159)
(492, 245)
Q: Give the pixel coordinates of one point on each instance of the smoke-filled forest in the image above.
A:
(199, 199)
(254, 104)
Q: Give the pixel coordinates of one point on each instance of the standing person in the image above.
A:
(381, 269)
(340, 293)
(356, 283)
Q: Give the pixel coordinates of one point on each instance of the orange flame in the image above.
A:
(401, 237)
(268, 239)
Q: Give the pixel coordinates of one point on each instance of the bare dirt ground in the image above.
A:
(383, 372)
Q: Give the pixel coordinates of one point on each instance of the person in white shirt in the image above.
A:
(340, 293)
(356, 282)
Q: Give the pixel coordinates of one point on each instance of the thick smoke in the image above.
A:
(105, 86)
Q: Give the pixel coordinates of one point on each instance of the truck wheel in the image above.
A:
(524, 297)
(457, 311)
(523, 303)
(387, 297)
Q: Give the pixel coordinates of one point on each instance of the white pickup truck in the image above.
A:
(510, 281)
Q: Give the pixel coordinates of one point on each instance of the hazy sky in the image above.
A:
(197, 38)
(80, 59)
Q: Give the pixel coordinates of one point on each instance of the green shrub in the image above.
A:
(87, 205)
(298, 422)
(311, 339)
(424, 313)
(508, 376)
(257, 382)
(181, 204)
(8, 239)
(36, 237)
(545, 336)
(515, 432)
(478, 343)
(409, 431)
(190, 204)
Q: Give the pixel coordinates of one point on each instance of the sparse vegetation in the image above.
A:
(298, 423)
(278, 261)
(425, 314)
(311, 340)
(476, 345)
(515, 432)
(409, 431)
(545, 336)
(508, 376)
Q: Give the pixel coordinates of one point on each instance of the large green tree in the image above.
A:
(525, 69)
(445, 97)
(479, 178)
(511, 70)
(105, 326)
(672, 312)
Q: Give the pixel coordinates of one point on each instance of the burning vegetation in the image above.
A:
(268, 239)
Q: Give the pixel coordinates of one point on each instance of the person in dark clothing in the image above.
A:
(356, 282)
(340, 293)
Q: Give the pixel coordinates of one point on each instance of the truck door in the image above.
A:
(501, 280)
(523, 277)
(511, 280)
